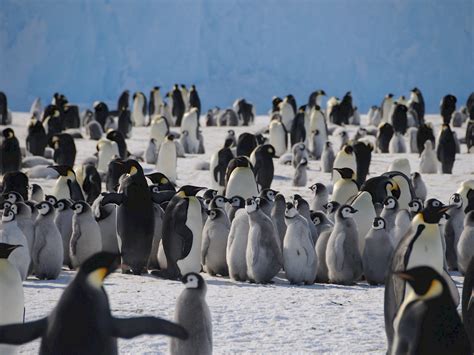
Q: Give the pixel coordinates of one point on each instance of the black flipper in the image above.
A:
(75, 191)
(162, 196)
(112, 197)
(131, 327)
(21, 333)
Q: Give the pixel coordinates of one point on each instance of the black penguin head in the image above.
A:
(215, 213)
(346, 173)
(170, 137)
(415, 205)
(332, 206)
(8, 214)
(194, 281)
(12, 197)
(51, 199)
(189, 190)
(209, 194)
(290, 210)
(318, 217)
(80, 207)
(231, 133)
(379, 223)
(269, 150)
(456, 200)
(64, 170)
(317, 188)
(193, 87)
(162, 181)
(425, 281)
(97, 267)
(390, 203)
(237, 201)
(45, 208)
(346, 211)
(6, 250)
(416, 175)
(434, 211)
(268, 194)
(8, 133)
(219, 201)
(251, 205)
(133, 167)
(5, 204)
(390, 95)
(328, 144)
(228, 142)
(348, 149)
(62, 205)
(393, 188)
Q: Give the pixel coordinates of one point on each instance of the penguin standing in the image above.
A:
(428, 159)
(151, 152)
(286, 112)
(298, 153)
(397, 144)
(417, 104)
(299, 255)
(399, 119)
(214, 242)
(446, 150)
(377, 253)
(302, 206)
(36, 140)
(86, 299)
(300, 177)
(177, 103)
(364, 216)
(327, 158)
(240, 179)
(297, 129)
(192, 313)
(5, 114)
(190, 123)
(12, 234)
(139, 109)
(262, 160)
(101, 112)
(92, 184)
(237, 246)
(412, 132)
(94, 130)
(135, 218)
(25, 221)
(465, 245)
(385, 133)
(419, 186)
(47, 254)
(10, 152)
(63, 221)
(386, 107)
(424, 133)
(64, 149)
(263, 255)
(345, 187)
(342, 254)
(322, 275)
(66, 185)
(320, 197)
(106, 217)
(159, 129)
(218, 165)
(453, 229)
(316, 144)
(12, 300)
(278, 135)
(194, 100)
(119, 138)
(389, 213)
(106, 151)
(86, 239)
(155, 103)
(447, 108)
(363, 154)
(315, 98)
(167, 158)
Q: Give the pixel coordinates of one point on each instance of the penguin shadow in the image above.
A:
(60, 283)
(281, 178)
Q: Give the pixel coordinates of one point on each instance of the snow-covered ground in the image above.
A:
(277, 318)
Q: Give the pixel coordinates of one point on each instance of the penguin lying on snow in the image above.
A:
(86, 300)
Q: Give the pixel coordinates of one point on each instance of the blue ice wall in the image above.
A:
(92, 50)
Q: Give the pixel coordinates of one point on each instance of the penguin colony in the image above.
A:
(111, 210)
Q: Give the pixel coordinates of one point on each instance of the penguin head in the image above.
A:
(189, 190)
(331, 206)
(268, 194)
(8, 214)
(12, 197)
(133, 167)
(390, 203)
(80, 207)
(290, 210)
(416, 175)
(348, 149)
(231, 133)
(237, 201)
(7, 249)
(193, 87)
(379, 223)
(209, 194)
(44, 208)
(219, 201)
(317, 218)
(434, 211)
(317, 188)
(5, 204)
(425, 282)
(64, 170)
(62, 205)
(346, 173)
(215, 213)
(415, 205)
(162, 181)
(251, 205)
(456, 200)
(195, 281)
(97, 267)
(389, 96)
(269, 150)
(346, 211)
(51, 199)
(328, 144)
(170, 137)
(8, 133)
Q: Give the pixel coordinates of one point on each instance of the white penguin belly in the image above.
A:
(241, 183)
(277, 139)
(158, 131)
(427, 250)
(192, 262)
(106, 153)
(61, 188)
(236, 252)
(343, 191)
(167, 160)
(138, 117)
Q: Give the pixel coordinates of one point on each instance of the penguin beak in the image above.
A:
(446, 208)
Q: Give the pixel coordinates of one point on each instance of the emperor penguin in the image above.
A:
(192, 313)
(262, 161)
(299, 255)
(446, 149)
(64, 149)
(63, 220)
(182, 233)
(397, 144)
(299, 152)
(159, 129)
(385, 133)
(327, 158)
(151, 152)
(139, 109)
(10, 150)
(321, 221)
(287, 113)
(364, 216)
(263, 255)
(278, 135)
(389, 213)
(92, 183)
(342, 254)
(106, 217)
(235, 203)
(300, 177)
(155, 103)
(12, 234)
(85, 297)
(376, 118)
(331, 208)
(107, 150)
(345, 187)
(190, 124)
(66, 185)
(298, 128)
(412, 131)
(214, 243)
(377, 253)
(36, 140)
(402, 165)
(428, 160)
(465, 245)
(12, 300)
(47, 253)
(86, 239)
(316, 145)
(167, 159)
(320, 196)
(218, 165)
(237, 246)
(25, 221)
(278, 216)
(315, 98)
(363, 154)
(240, 179)
(421, 246)
(317, 122)
(453, 229)
(405, 188)
(345, 158)
(386, 107)
(321, 247)
(94, 130)
(302, 206)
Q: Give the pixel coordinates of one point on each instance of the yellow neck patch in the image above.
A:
(96, 278)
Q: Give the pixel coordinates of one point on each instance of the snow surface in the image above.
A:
(277, 318)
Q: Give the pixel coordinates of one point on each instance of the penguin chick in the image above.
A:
(428, 160)
(320, 197)
(389, 213)
(63, 220)
(214, 242)
(419, 186)
(453, 229)
(327, 158)
(300, 177)
(465, 245)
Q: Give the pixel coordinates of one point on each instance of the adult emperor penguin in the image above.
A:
(446, 149)
(36, 140)
(428, 160)
(218, 165)
(447, 108)
(345, 187)
(452, 230)
(214, 242)
(190, 123)
(385, 133)
(92, 183)
(66, 185)
(12, 301)
(278, 135)
(399, 119)
(397, 144)
(299, 255)
(263, 255)
(465, 245)
(64, 149)
(107, 150)
(12, 234)
(178, 106)
(63, 220)
(86, 299)
(342, 254)
(192, 313)
(119, 138)
(155, 103)
(327, 158)
(124, 123)
(317, 121)
(364, 216)
(298, 130)
(159, 129)
(417, 103)
(240, 179)
(135, 218)
(86, 239)
(194, 100)
(377, 253)
(363, 155)
(262, 161)
(139, 109)
(287, 113)
(320, 196)
(345, 158)
(421, 246)
(167, 159)
(386, 107)
(10, 150)
(47, 253)
(428, 322)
